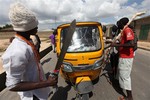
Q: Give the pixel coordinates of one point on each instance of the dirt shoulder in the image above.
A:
(143, 44)
(4, 44)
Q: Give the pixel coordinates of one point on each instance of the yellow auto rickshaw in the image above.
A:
(84, 58)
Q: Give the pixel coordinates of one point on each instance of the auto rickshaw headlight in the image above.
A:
(67, 67)
(99, 63)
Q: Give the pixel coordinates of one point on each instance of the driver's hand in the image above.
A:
(52, 80)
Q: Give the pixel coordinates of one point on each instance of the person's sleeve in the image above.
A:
(50, 37)
(17, 67)
(129, 34)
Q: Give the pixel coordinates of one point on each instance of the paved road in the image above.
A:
(103, 90)
(141, 75)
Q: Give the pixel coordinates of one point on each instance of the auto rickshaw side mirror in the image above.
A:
(104, 28)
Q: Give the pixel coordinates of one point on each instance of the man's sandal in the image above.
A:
(123, 98)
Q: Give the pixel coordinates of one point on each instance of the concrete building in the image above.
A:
(142, 28)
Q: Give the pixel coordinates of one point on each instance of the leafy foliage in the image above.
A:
(6, 26)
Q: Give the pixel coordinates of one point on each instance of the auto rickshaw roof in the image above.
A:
(80, 23)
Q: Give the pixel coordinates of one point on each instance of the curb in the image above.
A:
(144, 48)
(1, 54)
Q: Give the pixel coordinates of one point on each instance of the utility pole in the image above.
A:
(55, 21)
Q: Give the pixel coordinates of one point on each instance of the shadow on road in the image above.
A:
(2, 81)
(62, 93)
(111, 79)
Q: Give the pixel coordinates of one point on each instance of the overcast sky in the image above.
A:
(52, 13)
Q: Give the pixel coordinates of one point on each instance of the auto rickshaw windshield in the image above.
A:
(85, 38)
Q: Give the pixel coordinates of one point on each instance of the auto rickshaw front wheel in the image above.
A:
(82, 96)
(85, 96)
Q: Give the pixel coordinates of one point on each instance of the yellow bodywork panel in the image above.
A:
(71, 76)
(82, 79)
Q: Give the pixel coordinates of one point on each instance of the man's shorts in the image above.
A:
(124, 72)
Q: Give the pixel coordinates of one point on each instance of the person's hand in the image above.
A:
(113, 44)
(52, 80)
(108, 42)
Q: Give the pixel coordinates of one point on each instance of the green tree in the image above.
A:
(7, 26)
